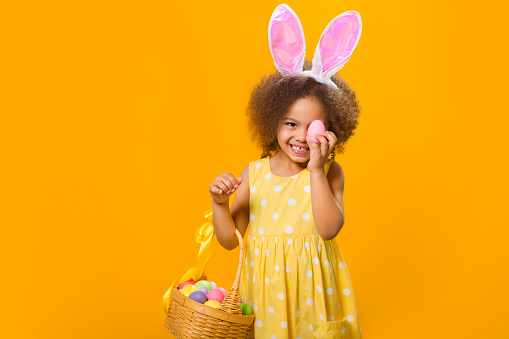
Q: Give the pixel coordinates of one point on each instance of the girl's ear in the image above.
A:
(337, 43)
(286, 40)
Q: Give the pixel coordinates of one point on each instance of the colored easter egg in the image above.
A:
(214, 285)
(198, 296)
(316, 127)
(246, 309)
(223, 290)
(188, 289)
(189, 282)
(212, 303)
(216, 295)
(203, 289)
(203, 283)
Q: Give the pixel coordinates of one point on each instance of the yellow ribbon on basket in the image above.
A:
(203, 235)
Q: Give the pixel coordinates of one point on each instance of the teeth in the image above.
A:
(299, 149)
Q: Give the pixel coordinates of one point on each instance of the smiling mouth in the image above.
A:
(299, 150)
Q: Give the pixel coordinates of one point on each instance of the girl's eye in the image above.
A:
(291, 123)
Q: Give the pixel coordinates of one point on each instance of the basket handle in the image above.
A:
(241, 257)
(231, 303)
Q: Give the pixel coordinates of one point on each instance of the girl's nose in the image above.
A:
(301, 137)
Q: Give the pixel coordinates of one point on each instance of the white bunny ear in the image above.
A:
(337, 43)
(286, 40)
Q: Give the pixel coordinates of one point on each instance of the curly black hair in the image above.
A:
(274, 94)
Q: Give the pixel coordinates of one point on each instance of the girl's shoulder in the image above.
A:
(329, 164)
(257, 161)
(257, 168)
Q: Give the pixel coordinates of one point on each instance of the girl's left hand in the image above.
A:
(319, 153)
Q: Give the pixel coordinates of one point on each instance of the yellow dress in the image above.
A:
(296, 283)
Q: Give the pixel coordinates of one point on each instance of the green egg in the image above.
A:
(203, 283)
(246, 309)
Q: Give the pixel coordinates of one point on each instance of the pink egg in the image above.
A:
(216, 295)
(223, 290)
(189, 282)
(316, 127)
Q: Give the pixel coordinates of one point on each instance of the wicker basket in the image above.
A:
(190, 319)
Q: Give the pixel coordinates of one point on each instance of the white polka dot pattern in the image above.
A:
(280, 207)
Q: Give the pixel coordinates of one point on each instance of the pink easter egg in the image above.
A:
(223, 290)
(216, 295)
(316, 127)
(190, 281)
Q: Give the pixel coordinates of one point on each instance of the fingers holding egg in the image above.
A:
(332, 139)
(312, 145)
(324, 144)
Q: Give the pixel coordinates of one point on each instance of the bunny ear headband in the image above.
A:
(288, 47)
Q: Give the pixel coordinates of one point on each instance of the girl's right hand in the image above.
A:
(223, 186)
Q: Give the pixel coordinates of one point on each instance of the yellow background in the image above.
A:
(116, 116)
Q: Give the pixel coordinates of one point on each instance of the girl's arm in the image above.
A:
(327, 200)
(225, 220)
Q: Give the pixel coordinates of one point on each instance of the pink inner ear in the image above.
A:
(338, 42)
(286, 39)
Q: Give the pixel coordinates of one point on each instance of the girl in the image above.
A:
(294, 276)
